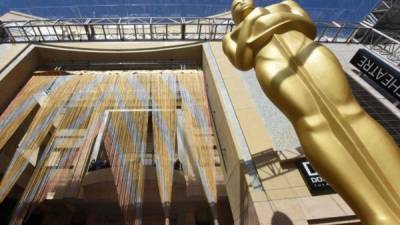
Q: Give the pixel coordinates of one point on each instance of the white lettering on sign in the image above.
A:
(368, 65)
(380, 74)
(307, 167)
(363, 61)
(315, 180)
(378, 71)
(387, 80)
(393, 84)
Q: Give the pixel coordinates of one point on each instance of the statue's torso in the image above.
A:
(294, 73)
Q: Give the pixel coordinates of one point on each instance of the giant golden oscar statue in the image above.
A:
(307, 83)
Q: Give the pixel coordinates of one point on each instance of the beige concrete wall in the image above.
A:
(100, 52)
(233, 160)
(8, 52)
(285, 198)
(17, 63)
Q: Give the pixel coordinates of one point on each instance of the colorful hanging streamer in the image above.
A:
(60, 140)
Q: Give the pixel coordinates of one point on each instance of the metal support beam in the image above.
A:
(3, 34)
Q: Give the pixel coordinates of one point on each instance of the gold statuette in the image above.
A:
(304, 79)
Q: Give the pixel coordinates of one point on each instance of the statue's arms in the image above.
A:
(277, 23)
(235, 43)
(256, 27)
(240, 55)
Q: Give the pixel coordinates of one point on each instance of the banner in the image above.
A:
(379, 71)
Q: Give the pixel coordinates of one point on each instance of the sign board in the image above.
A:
(378, 71)
(316, 184)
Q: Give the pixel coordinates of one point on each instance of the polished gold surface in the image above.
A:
(306, 82)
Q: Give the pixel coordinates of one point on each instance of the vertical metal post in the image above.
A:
(336, 35)
(55, 32)
(34, 32)
(104, 32)
(150, 22)
(87, 29)
(134, 29)
(26, 35)
(40, 33)
(215, 31)
(9, 34)
(166, 31)
(151, 31)
(322, 34)
(183, 29)
(143, 32)
(200, 31)
(70, 33)
(120, 32)
(211, 29)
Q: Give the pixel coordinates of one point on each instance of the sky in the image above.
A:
(320, 10)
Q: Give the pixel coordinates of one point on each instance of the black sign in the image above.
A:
(378, 71)
(316, 184)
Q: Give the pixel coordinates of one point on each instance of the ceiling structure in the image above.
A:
(332, 10)
(389, 22)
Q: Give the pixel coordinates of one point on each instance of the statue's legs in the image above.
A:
(349, 149)
(342, 171)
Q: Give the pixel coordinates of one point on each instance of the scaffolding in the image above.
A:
(378, 12)
(381, 43)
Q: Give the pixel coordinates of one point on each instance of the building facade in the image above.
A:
(103, 126)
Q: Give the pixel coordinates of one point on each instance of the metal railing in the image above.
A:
(122, 29)
(177, 29)
(142, 29)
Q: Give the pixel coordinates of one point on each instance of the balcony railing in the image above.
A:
(143, 29)
(122, 29)
(176, 29)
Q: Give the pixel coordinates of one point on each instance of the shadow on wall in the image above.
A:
(268, 163)
(280, 218)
